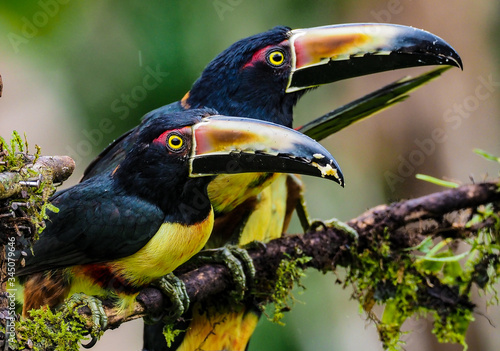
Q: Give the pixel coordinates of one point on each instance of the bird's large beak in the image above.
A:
(326, 54)
(227, 145)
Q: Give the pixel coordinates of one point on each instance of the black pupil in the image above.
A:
(277, 57)
(176, 141)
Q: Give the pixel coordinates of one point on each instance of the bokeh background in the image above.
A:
(74, 71)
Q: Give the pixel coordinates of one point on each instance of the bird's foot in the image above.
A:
(238, 261)
(309, 225)
(99, 317)
(332, 223)
(175, 290)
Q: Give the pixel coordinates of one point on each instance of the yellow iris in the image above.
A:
(175, 142)
(276, 58)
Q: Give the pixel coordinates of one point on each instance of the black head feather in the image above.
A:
(240, 82)
(151, 171)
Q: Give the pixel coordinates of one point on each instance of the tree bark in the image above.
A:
(329, 247)
(21, 191)
(53, 169)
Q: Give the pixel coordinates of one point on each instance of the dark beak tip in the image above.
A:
(458, 61)
(453, 58)
(449, 54)
(338, 177)
(340, 180)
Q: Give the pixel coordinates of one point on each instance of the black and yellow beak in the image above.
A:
(228, 145)
(326, 54)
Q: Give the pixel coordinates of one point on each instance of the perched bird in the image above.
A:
(124, 229)
(263, 76)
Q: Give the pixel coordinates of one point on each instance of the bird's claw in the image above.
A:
(312, 225)
(333, 223)
(257, 245)
(99, 317)
(238, 261)
(175, 290)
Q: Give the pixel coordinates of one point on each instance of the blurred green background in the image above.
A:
(74, 71)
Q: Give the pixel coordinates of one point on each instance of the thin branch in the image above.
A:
(430, 206)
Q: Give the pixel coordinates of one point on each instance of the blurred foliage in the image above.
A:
(101, 52)
(166, 36)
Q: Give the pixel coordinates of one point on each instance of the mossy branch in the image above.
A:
(26, 183)
(403, 257)
(52, 169)
(388, 243)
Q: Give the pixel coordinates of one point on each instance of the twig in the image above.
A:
(53, 169)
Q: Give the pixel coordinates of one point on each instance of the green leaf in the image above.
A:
(437, 181)
(487, 155)
(452, 271)
(425, 245)
(391, 312)
(430, 266)
(444, 258)
(17, 141)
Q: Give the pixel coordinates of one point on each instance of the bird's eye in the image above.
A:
(275, 58)
(175, 142)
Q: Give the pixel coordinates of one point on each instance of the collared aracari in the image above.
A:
(124, 229)
(264, 76)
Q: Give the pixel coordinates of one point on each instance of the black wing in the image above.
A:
(96, 222)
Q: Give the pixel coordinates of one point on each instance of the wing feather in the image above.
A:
(93, 217)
